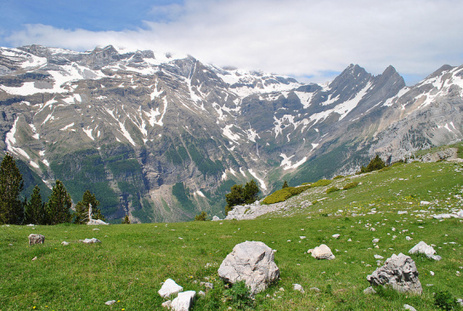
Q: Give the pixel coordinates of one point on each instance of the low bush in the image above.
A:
(285, 193)
(351, 185)
(332, 189)
(445, 301)
(239, 297)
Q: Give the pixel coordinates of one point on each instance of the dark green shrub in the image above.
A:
(351, 185)
(241, 195)
(445, 301)
(374, 165)
(239, 297)
(201, 216)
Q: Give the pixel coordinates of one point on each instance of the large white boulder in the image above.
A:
(169, 288)
(321, 252)
(398, 272)
(251, 262)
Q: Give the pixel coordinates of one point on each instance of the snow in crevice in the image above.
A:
(449, 127)
(305, 98)
(154, 113)
(199, 193)
(122, 128)
(343, 109)
(260, 180)
(89, 131)
(67, 127)
(227, 132)
(10, 141)
(287, 164)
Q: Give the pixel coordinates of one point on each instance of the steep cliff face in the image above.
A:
(163, 137)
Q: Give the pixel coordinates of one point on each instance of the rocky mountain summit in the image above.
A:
(163, 136)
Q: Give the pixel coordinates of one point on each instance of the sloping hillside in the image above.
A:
(395, 205)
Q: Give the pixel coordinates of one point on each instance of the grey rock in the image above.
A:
(251, 262)
(423, 248)
(183, 301)
(298, 287)
(90, 241)
(408, 307)
(95, 222)
(369, 290)
(216, 218)
(36, 239)
(398, 272)
(322, 252)
(167, 304)
(110, 302)
(169, 288)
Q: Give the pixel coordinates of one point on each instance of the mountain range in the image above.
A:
(162, 137)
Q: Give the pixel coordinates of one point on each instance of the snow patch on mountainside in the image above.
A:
(287, 164)
(260, 180)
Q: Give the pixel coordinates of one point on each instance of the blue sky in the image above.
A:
(301, 38)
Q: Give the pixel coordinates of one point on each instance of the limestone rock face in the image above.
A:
(36, 239)
(399, 272)
(321, 252)
(251, 262)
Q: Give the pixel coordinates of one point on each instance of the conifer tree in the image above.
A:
(34, 211)
(285, 185)
(241, 195)
(59, 204)
(126, 220)
(251, 189)
(82, 207)
(11, 185)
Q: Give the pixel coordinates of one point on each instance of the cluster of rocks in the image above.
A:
(182, 302)
(40, 239)
(456, 214)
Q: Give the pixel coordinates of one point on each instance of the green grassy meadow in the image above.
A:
(133, 260)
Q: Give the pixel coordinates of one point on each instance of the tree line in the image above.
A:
(34, 210)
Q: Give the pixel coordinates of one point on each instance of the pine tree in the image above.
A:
(82, 207)
(235, 197)
(11, 185)
(241, 195)
(126, 220)
(251, 189)
(59, 205)
(34, 211)
(285, 185)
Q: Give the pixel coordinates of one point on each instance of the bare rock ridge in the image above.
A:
(161, 136)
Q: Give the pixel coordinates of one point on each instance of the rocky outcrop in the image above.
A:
(251, 262)
(400, 273)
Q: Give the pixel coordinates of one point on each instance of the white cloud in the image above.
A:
(293, 37)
